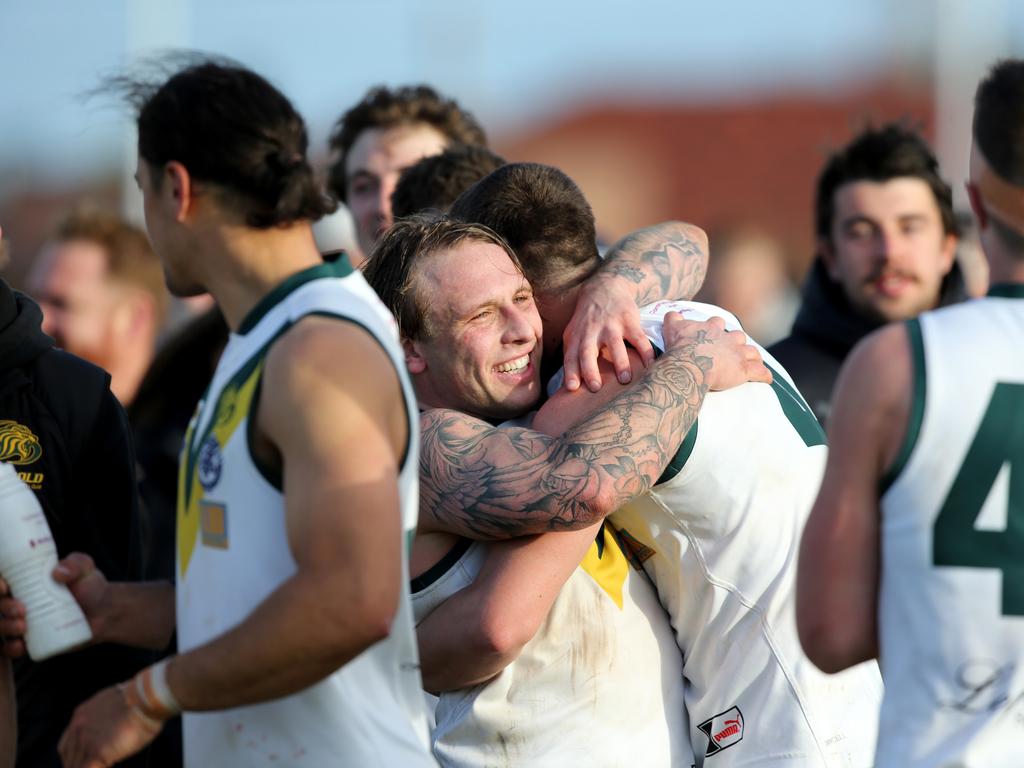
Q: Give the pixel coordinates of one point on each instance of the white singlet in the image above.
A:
(233, 552)
(951, 603)
(600, 684)
(719, 534)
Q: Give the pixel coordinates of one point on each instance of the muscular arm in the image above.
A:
(483, 628)
(838, 577)
(666, 261)
(480, 630)
(340, 463)
(487, 483)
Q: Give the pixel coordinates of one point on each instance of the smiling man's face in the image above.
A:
(481, 349)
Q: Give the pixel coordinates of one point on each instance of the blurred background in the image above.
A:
(717, 113)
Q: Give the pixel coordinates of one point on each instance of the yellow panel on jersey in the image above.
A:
(605, 564)
(202, 456)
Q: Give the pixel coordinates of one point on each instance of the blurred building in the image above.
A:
(715, 165)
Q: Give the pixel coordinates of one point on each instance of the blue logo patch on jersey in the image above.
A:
(211, 462)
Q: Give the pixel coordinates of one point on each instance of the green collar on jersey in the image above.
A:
(1007, 291)
(340, 267)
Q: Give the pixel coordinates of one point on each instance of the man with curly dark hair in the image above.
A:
(387, 131)
(886, 239)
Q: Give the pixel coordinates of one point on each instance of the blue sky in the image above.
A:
(514, 62)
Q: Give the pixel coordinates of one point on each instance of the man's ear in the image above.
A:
(977, 204)
(134, 314)
(182, 191)
(828, 256)
(948, 253)
(415, 362)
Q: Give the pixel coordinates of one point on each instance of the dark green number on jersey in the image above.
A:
(998, 441)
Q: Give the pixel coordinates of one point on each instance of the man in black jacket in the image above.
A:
(887, 238)
(67, 435)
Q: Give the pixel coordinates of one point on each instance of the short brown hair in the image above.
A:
(542, 214)
(390, 272)
(130, 257)
(893, 151)
(436, 181)
(384, 107)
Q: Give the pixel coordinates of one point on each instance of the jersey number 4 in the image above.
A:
(999, 441)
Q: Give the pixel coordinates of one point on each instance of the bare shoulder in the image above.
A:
(328, 341)
(873, 392)
(880, 366)
(321, 364)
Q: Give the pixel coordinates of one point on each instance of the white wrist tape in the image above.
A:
(154, 692)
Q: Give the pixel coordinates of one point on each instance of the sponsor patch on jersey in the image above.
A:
(723, 731)
(211, 462)
(18, 444)
(213, 524)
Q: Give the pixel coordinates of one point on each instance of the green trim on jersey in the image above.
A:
(916, 406)
(226, 413)
(228, 391)
(796, 410)
(341, 267)
(270, 474)
(273, 475)
(1007, 291)
(679, 460)
(675, 466)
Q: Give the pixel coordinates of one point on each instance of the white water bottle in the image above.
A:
(28, 556)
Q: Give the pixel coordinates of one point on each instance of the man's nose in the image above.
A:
(889, 243)
(519, 328)
(384, 201)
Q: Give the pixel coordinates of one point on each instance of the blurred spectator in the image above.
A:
(68, 437)
(102, 293)
(389, 130)
(435, 181)
(747, 275)
(886, 241)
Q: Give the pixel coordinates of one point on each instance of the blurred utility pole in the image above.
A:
(969, 36)
(149, 29)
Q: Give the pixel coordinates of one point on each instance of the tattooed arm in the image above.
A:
(666, 261)
(489, 483)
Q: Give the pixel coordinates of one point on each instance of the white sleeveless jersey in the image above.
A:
(719, 534)
(951, 604)
(233, 552)
(600, 684)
